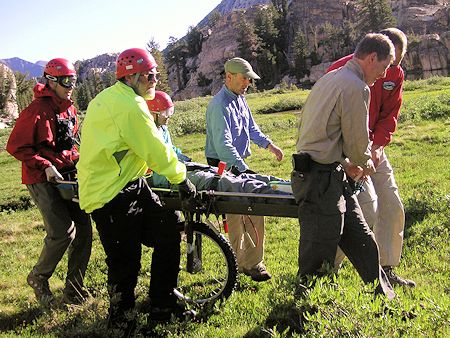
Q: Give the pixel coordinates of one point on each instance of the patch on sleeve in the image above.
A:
(388, 85)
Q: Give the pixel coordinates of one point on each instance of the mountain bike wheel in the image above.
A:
(213, 271)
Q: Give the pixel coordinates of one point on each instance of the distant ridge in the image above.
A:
(25, 67)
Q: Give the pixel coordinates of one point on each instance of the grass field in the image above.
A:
(341, 307)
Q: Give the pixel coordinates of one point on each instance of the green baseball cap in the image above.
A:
(239, 65)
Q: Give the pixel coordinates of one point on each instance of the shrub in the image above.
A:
(434, 81)
(426, 108)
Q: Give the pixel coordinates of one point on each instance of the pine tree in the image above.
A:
(153, 48)
(194, 40)
(24, 92)
(248, 41)
(373, 16)
(300, 51)
(214, 18)
(82, 96)
(3, 88)
(268, 54)
(338, 40)
(176, 56)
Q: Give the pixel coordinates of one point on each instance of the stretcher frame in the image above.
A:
(218, 203)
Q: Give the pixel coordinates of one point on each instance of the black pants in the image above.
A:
(134, 217)
(213, 161)
(329, 216)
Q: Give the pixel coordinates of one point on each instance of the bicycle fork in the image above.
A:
(194, 246)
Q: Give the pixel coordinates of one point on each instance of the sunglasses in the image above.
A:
(153, 77)
(167, 113)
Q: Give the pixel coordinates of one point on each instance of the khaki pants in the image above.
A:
(67, 229)
(383, 211)
(242, 228)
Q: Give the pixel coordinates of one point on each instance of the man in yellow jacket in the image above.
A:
(120, 142)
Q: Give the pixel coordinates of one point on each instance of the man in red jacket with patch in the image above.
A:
(380, 202)
(44, 139)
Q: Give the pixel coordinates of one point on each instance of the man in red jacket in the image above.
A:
(44, 139)
(380, 202)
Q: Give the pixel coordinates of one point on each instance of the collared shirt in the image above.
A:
(385, 102)
(119, 142)
(229, 128)
(334, 121)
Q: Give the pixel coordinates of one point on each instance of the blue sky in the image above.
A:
(44, 29)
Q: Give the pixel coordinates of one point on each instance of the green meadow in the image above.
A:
(341, 306)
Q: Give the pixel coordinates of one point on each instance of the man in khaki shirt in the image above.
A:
(334, 130)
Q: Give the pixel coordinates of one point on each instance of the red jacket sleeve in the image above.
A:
(386, 123)
(23, 143)
(32, 140)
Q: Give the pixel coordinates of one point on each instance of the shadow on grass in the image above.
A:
(77, 327)
(20, 319)
(24, 203)
(287, 318)
(420, 206)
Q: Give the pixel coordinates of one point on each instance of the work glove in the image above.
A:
(53, 174)
(235, 171)
(188, 195)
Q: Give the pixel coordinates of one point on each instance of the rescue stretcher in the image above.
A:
(215, 202)
(218, 203)
(208, 266)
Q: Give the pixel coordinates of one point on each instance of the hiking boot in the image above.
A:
(74, 296)
(394, 279)
(41, 288)
(122, 323)
(164, 314)
(258, 273)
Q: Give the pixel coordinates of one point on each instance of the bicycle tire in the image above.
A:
(215, 276)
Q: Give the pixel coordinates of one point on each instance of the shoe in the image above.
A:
(258, 273)
(123, 324)
(74, 296)
(165, 314)
(394, 279)
(41, 289)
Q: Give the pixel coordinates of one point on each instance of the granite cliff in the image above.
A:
(426, 22)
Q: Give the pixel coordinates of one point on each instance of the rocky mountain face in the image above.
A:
(228, 6)
(100, 65)
(426, 22)
(9, 110)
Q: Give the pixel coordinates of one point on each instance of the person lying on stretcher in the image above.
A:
(204, 177)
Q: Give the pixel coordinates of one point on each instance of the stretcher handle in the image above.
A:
(66, 182)
(244, 194)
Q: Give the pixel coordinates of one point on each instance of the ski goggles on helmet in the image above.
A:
(64, 81)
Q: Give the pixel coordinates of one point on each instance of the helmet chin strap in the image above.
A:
(157, 121)
(135, 80)
(134, 84)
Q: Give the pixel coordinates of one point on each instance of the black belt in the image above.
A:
(321, 166)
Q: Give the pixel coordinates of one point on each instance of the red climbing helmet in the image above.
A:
(162, 101)
(132, 61)
(59, 67)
